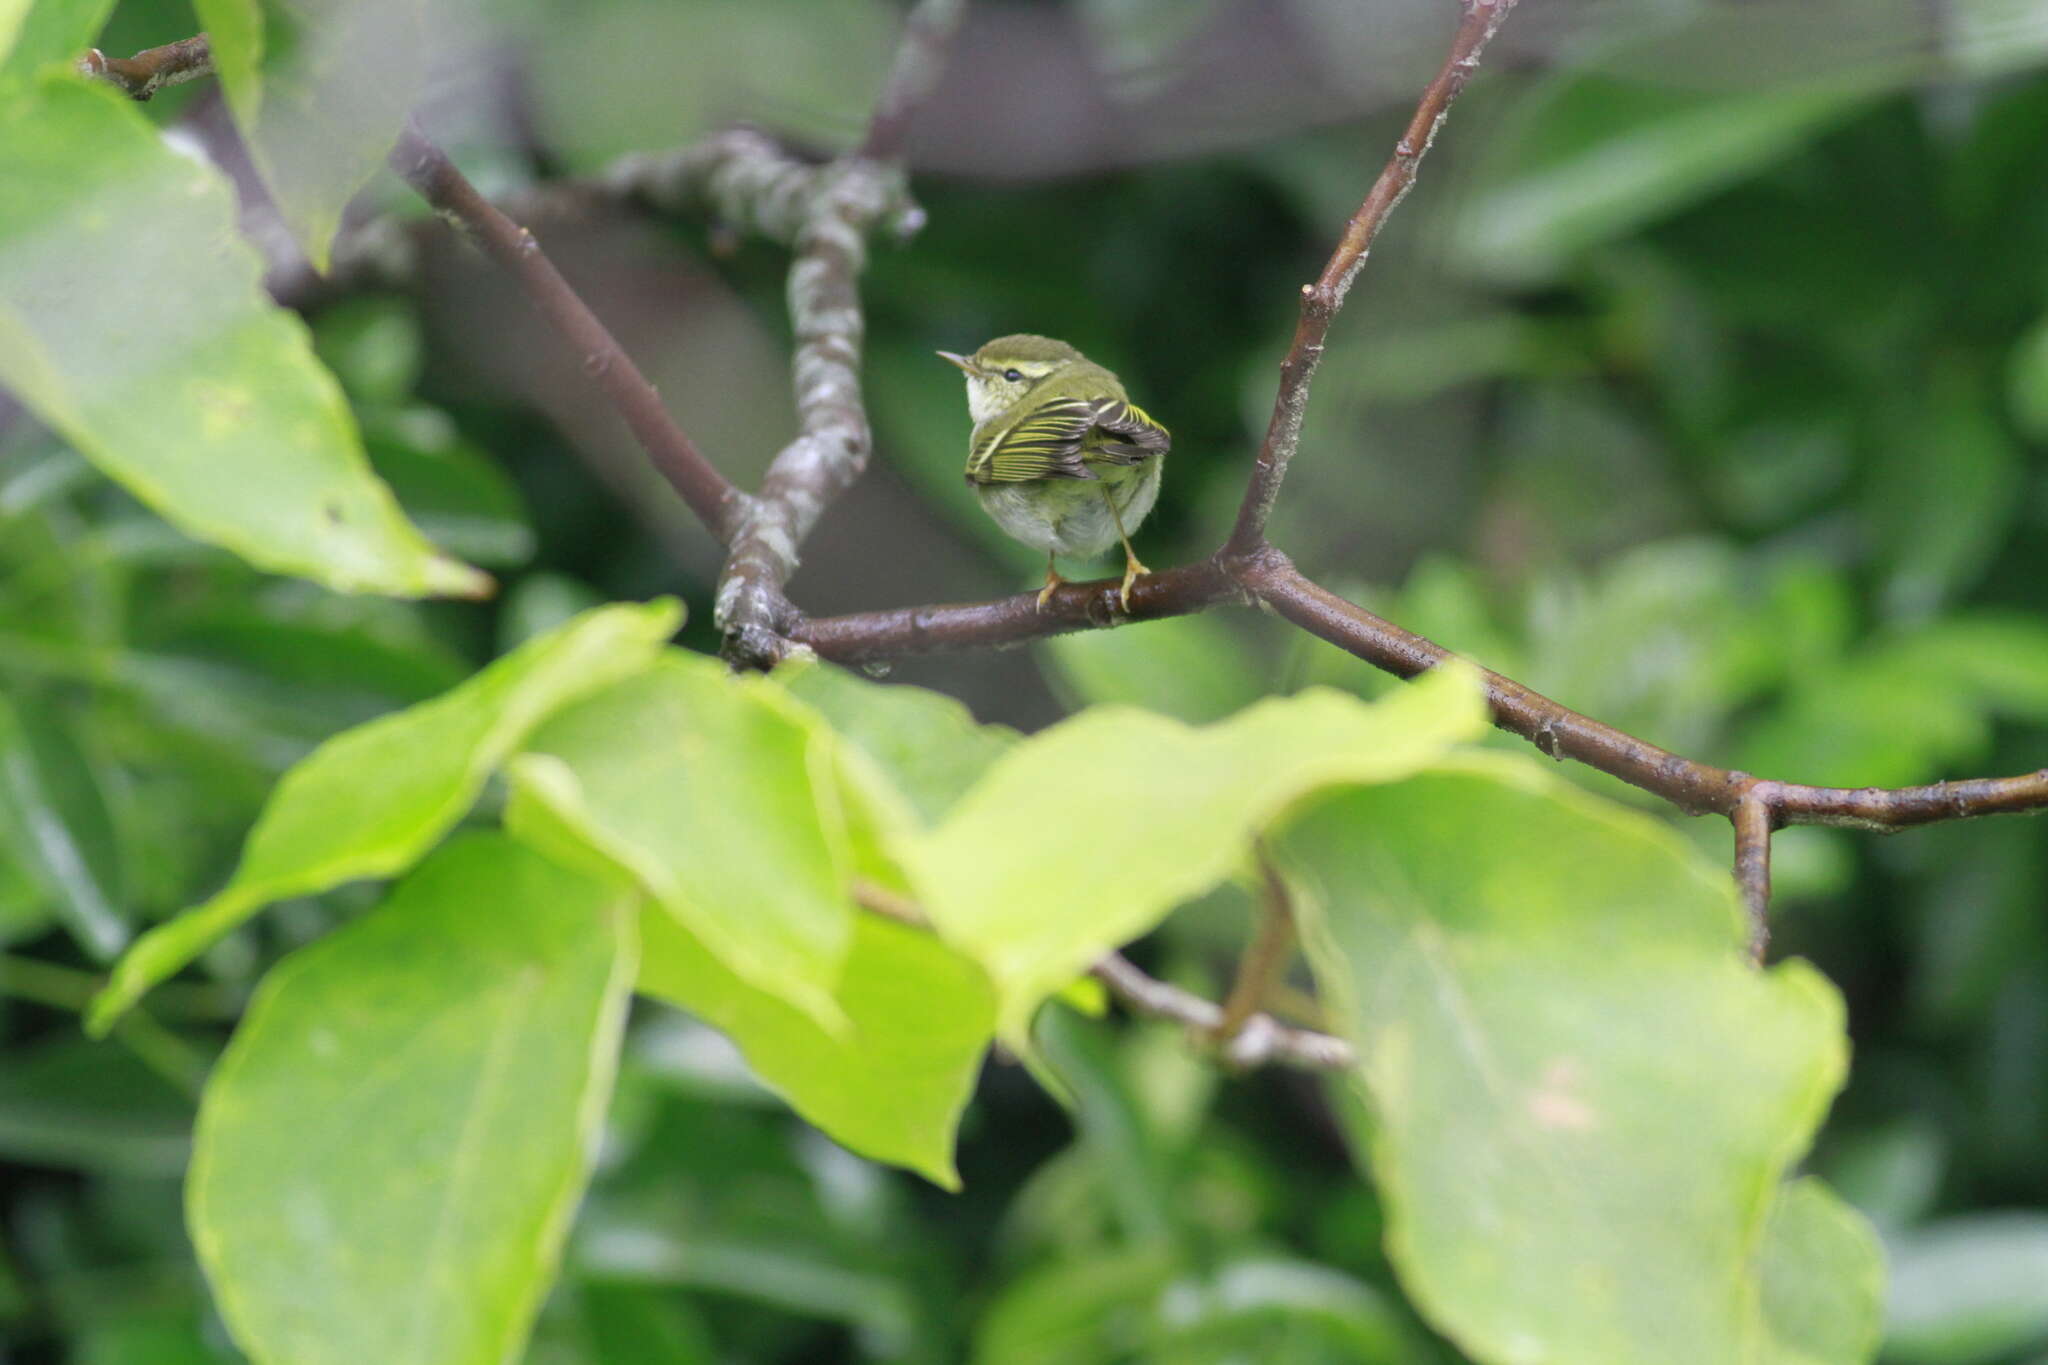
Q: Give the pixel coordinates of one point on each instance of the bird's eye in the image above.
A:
(1012, 375)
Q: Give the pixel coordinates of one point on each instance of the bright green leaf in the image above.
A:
(1192, 668)
(1085, 836)
(319, 90)
(1822, 1277)
(928, 743)
(204, 400)
(39, 33)
(721, 796)
(12, 12)
(919, 1017)
(390, 1151)
(371, 800)
(1583, 1098)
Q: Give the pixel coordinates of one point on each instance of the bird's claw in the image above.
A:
(1132, 571)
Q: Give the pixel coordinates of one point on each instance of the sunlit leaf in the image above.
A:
(1582, 1097)
(371, 800)
(40, 33)
(202, 397)
(720, 796)
(390, 1151)
(919, 1017)
(1822, 1278)
(1193, 668)
(1082, 838)
(928, 743)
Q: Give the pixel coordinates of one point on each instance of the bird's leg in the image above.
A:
(1052, 580)
(1132, 566)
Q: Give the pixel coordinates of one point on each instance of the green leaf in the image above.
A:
(1196, 669)
(928, 743)
(39, 33)
(84, 1106)
(1084, 1310)
(1822, 1276)
(55, 822)
(721, 796)
(1085, 836)
(1592, 157)
(1255, 1304)
(1969, 1289)
(389, 1153)
(2026, 381)
(1582, 1097)
(12, 13)
(371, 800)
(319, 91)
(203, 399)
(1943, 493)
(919, 1017)
(454, 493)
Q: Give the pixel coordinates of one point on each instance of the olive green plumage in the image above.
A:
(1059, 455)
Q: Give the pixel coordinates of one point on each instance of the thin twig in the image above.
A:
(1259, 1040)
(428, 170)
(1265, 962)
(920, 61)
(1753, 825)
(1321, 300)
(1251, 1041)
(147, 72)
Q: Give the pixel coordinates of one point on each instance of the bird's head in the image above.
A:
(1004, 370)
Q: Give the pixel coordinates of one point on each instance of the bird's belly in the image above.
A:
(1070, 516)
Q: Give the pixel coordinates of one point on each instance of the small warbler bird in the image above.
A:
(1059, 456)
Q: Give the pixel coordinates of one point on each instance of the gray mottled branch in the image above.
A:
(835, 213)
(849, 200)
(1256, 1041)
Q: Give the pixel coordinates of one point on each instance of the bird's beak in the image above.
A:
(962, 361)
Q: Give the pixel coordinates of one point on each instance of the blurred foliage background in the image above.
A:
(1702, 384)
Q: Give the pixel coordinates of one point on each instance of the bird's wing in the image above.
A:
(1125, 433)
(1060, 439)
(1044, 443)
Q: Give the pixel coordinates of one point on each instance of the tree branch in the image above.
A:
(1321, 300)
(1259, 1040)
(710, 495)
(1265, 962)
(825, 213)
(145, 73)
(1252, 1041)
(850, 197)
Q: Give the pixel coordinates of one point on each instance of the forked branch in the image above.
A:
(826, 213)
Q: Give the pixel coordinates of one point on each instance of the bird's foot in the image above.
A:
(1052, 580)
(1132, 569)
